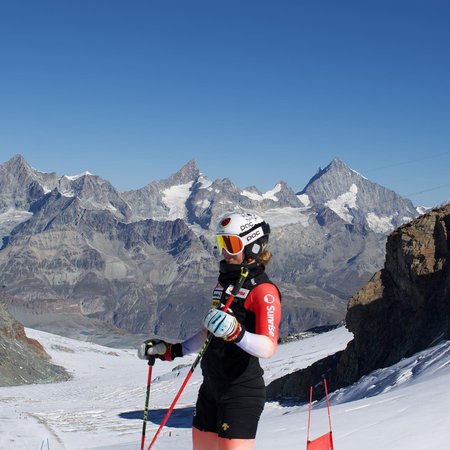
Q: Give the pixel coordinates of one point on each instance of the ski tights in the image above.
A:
(204, 440)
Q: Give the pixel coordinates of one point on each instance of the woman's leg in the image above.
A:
(204, 440)
(236, 444)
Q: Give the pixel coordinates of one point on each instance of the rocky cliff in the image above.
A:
(23, 360)
(402, 310)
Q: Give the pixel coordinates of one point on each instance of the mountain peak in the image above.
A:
(18, 162)
(337, 164)
(190, 169)
(355, 198)
(18, 158)
(189, 172)
(19, 185)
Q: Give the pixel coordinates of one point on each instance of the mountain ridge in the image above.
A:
(80, 241)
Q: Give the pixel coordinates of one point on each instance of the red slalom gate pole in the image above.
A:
(234, 292)
(309, 414)
(328, 402)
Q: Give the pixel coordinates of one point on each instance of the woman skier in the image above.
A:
(232, 396)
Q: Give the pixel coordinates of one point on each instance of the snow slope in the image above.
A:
(401, 407)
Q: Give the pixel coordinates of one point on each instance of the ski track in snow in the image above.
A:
(400, 407)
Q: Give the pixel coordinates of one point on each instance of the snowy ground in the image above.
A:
(402, 407)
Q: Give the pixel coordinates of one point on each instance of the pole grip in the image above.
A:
(237, 288)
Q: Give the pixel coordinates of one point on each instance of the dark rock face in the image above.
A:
(23, 360)
(406, 306)
(403, 309)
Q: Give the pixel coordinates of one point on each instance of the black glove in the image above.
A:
(165, 351)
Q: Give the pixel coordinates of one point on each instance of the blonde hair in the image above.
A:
(265, 257)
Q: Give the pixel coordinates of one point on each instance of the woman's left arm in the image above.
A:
(265, 303)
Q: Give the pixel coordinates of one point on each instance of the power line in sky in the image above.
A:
(402, 163)
(428, 190)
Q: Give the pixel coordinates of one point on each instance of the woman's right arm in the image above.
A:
(194, 343)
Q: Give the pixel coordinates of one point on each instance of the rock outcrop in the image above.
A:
(403, 309)
(23, 360)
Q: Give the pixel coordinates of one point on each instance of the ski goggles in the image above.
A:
(231, 243)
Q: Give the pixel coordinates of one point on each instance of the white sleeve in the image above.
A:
(194, 343)
(257, 345)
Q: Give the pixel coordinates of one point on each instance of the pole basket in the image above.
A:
(324, 442)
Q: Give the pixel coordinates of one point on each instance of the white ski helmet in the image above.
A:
(252, 234)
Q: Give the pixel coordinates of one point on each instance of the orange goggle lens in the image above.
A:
(232, 244)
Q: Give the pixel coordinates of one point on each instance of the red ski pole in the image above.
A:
(234, 292)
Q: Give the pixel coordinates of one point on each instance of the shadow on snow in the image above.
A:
(180, 418)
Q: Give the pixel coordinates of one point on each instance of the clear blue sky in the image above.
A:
(256, 91)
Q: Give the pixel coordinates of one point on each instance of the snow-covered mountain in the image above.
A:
(76, 245)
(402, 407)
(355, 199)
(193, 197)
(21, 186)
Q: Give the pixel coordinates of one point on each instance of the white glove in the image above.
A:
(223, 325)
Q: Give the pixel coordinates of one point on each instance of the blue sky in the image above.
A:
(256, 91)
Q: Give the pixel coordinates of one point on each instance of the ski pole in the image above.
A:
(234, 292)
(151, 362)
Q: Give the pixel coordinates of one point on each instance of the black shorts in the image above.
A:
(232, 412)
